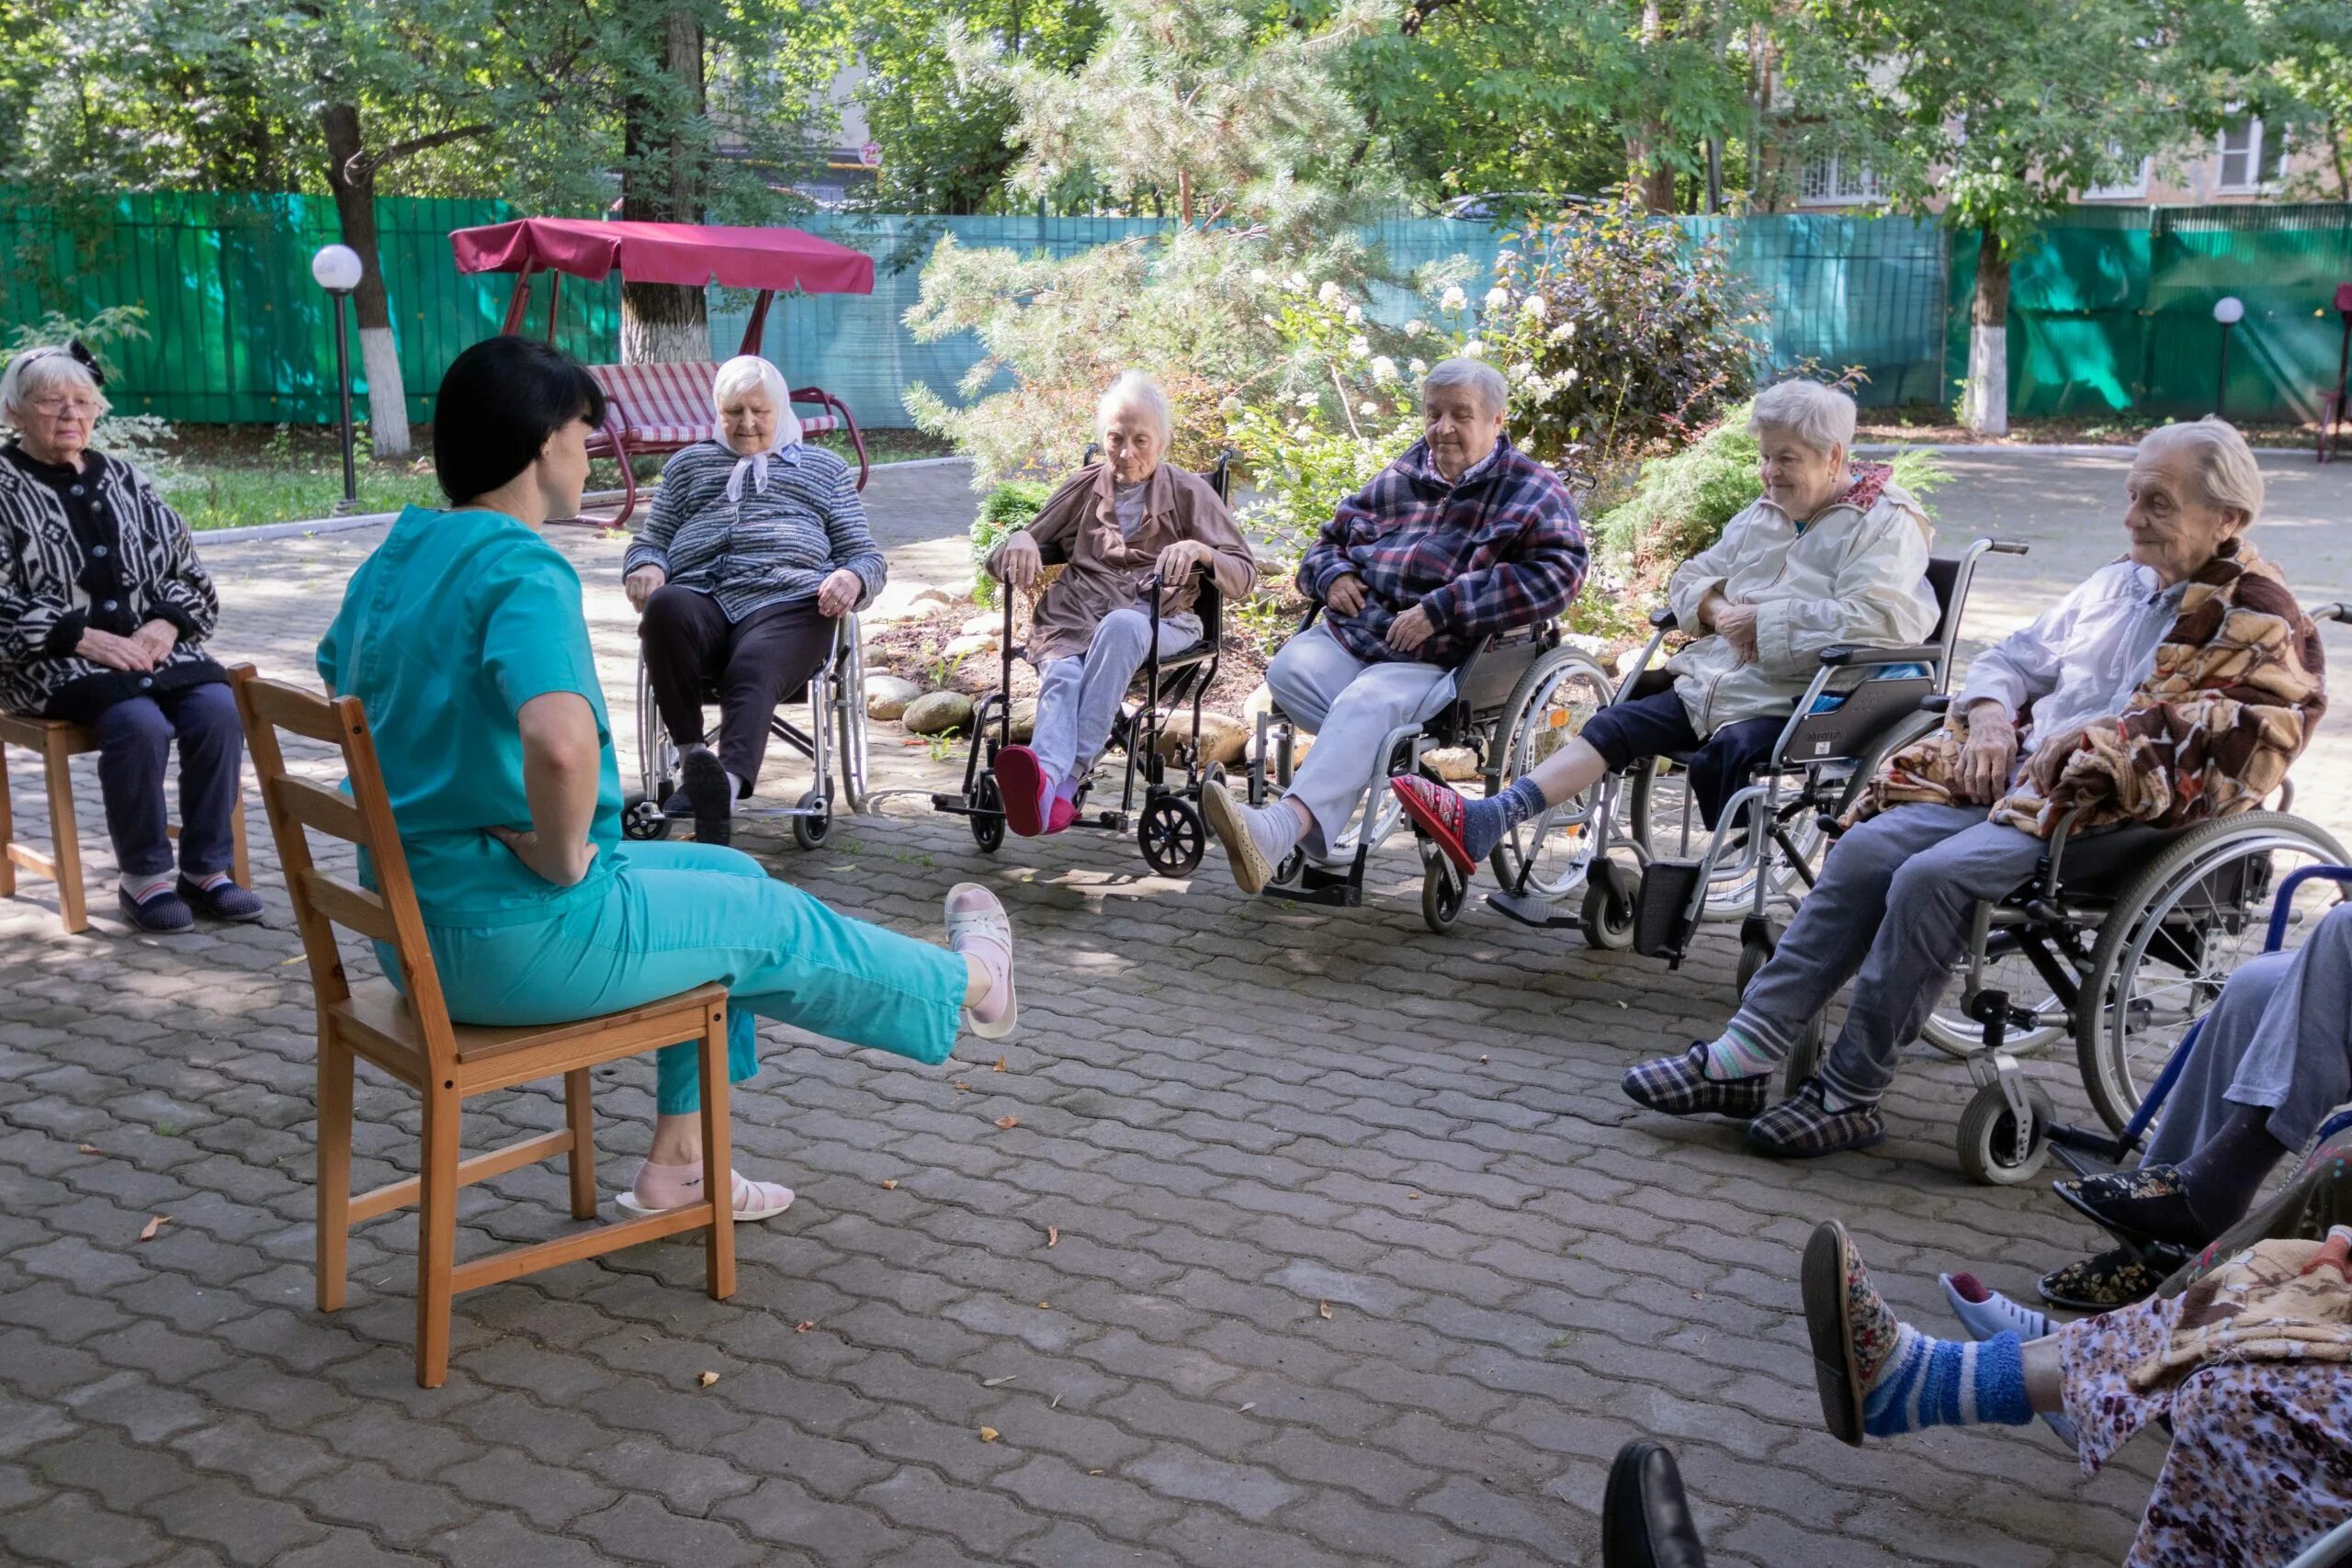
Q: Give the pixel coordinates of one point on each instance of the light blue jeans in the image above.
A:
(1079, 697)
(677, 915)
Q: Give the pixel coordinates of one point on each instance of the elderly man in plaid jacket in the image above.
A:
(1460, 537)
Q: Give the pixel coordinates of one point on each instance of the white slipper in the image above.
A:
(1251, 871)
(754, 1200)
(987, 924)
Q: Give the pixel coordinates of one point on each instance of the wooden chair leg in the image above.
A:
(436, 1234)
(580, 1112)
(718, 1162)
(334, 1171)
(240, 863)
(7, 830)
(66, 834)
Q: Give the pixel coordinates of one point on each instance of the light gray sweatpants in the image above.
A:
(1079, 697)
(2279, 1038)
(1891, 913)
(1348, 706)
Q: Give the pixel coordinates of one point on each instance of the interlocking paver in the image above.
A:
(1229, 1112)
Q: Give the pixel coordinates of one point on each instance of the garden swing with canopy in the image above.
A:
(657, 409)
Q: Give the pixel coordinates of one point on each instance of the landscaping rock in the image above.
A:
(1258, 702)
(989, 623)
(1454, 765)
(1023, 720)
(938, 713)
(962, 647)
(924, 593)
(1224, 739)
(886, 696)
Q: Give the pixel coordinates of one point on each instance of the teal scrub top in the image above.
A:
(455, 622)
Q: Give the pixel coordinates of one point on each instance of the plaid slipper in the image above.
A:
(2101, 1282)
(1803, 1127)
(1679, 1086)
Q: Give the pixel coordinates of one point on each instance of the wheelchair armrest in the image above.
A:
(1854, 655)
(1936, 701)
(2334, 613)
(1663, 618)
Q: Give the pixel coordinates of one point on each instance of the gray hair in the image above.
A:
(36, 371)
(1135, 390)
(746, 373)
(1820, 417)
(2223, 466)
(1483, 379)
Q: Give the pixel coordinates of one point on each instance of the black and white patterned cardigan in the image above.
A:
(44, 607)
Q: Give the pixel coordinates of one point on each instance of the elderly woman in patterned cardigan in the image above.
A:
(756, 546)
(104, 611)
(2176, 684)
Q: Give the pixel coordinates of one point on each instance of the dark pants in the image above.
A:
(1657, 725)
(135, 740)
(756, 663)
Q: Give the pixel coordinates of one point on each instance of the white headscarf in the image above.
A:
(735, 378)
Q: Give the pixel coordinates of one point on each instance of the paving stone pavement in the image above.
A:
(1230, 1115)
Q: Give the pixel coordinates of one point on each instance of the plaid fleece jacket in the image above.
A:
(1499, 549)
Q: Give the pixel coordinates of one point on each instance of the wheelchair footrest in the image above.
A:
(1662, 925)
(951, 801)
(1534, 912)
(1335, 889)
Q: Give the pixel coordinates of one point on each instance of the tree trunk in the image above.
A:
(1644, 168)
(354, 184)
(1984, 405)
(663, 183)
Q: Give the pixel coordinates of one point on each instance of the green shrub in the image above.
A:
(1008, 507)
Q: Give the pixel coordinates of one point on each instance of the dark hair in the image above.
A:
(499, 402)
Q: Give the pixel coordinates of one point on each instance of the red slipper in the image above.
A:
(1064, 812)
(1021, 784)
(1437, 811)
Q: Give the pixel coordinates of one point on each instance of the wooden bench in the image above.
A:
(654, 409)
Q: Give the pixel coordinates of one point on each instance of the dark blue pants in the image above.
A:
(1656, 726)
(135, 740)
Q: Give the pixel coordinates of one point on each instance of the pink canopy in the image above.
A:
(691, 254)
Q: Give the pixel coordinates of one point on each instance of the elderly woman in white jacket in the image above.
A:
(1833, 552)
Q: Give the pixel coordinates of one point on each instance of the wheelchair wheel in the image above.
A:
(1988, 1152)
(1172, 835)
(1805, 1057)
(1607, 916)
(642, 819)
(1549, 855)
(988, 815)
(811, 832)
(1443, 889)
(2177, 934)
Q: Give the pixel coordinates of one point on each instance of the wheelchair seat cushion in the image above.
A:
(2097, 865)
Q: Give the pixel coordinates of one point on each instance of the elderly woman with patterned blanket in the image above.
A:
(104, 612)
(756, 548)
(2176, 684)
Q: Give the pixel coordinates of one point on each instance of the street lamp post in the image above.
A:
(337, 269)
(2229, 310)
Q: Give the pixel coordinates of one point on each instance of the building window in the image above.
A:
(1837, 181)
(2252, 156)
(2131, 189)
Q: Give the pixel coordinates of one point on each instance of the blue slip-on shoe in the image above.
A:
(163, 913)
(221, 901)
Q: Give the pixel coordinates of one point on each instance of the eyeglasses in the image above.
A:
(52, 407)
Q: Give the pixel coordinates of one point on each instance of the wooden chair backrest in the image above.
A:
(362, 818)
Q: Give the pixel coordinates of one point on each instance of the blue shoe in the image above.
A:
(223, 901)
(163, 912)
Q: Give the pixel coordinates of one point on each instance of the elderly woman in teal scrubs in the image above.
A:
(464, 638)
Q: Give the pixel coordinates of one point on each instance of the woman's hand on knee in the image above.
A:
(640, 584)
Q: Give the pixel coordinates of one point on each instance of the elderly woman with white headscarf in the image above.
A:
(757, 544)
(104, 611)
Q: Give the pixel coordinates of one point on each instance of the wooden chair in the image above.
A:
(58, 742)
(409, 1036)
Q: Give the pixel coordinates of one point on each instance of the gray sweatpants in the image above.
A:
(2279, 1038)
(1079, 697)
(1349, 706)
(1890, 914)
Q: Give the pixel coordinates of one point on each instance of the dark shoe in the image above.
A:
(1644, 1518)
(2113, 1279)
(1803, 1127)
(221, 901)
(163, 912)
(2148, 1204)
(712, 797)
(1679, 1086)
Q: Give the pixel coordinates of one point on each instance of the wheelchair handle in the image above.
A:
(2007, 547)
(2335, 613)
(1663, 616)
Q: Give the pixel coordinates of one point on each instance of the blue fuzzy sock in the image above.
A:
(1947, 1382)
(1484, 822)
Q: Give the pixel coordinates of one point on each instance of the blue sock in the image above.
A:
(1484, 822)
(1947, 1382)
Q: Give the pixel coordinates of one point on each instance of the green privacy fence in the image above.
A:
(2112, 310)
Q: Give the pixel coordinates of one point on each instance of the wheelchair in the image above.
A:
(1167, 824)
(1509, 686)
(836, 731)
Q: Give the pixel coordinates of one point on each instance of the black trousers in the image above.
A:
(135, 738)
(756, 663)
(1657, 724)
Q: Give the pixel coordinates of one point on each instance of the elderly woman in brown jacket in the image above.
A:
(1112, 527)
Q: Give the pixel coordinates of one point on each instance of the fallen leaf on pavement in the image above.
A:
(1008, 1121)
(1053, 1235)
(804, 1325)
(997, 1383)
(154, 1223)
(1482, 1061)
(890, 1184)
(990, 1434)
(1044, 1306)
(1247, 1408)
(1323, 1308)
(999, 1066)
(707, 1379)
(88, 1149)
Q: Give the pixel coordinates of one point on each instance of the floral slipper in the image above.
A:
(2108, 1280)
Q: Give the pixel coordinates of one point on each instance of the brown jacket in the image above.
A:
(1078, 530)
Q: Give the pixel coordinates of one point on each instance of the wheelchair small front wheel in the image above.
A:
(1805, 1057)
(987, 815)
(1172, 835)
(810, 832)
(1753, 956)
(1989, 1152)
(1607, 916)
(643, 819)
(1443, 889)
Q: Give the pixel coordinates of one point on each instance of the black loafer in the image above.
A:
(221, 901)
(1644, 1518)
(163, 913)
(712, 796)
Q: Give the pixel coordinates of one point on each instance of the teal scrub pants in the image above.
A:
(679, 915)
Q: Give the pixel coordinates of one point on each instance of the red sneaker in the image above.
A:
(1437, 811)
(1023, 787)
